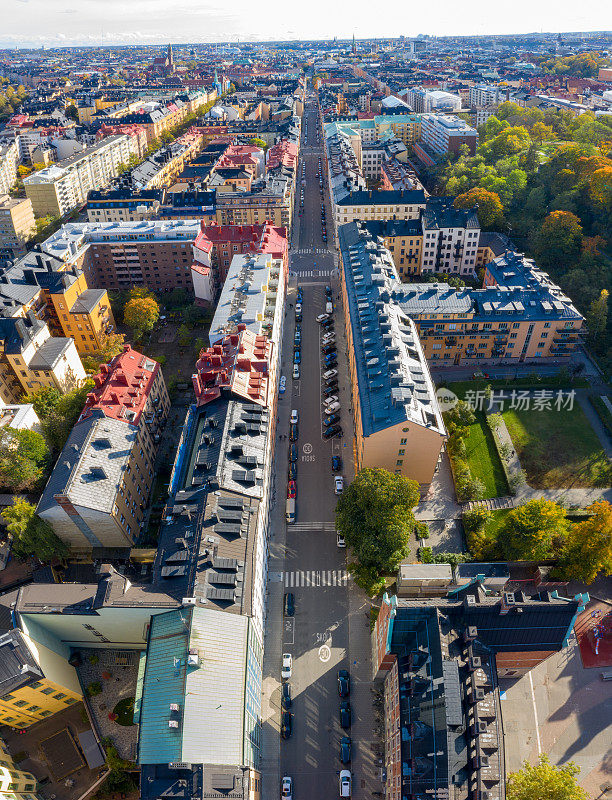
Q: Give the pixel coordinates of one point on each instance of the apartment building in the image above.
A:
(396, 175)
(398, 422)
(31, 358)
(9, 161)
(17, 225)
(455, 647)
(61, 188)
(216, 245)
(99, 488)
(374, 155)
(117, 255)
(273, 203)
(442, 134)
(137, 132)
(59, 294)
(484, 95)
(163, 166)
(37, 682)
(123, 204)
(15, 783)
(439, 101)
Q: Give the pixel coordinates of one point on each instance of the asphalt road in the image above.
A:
(314, 567)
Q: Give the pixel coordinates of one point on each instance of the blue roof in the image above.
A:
(164, 683)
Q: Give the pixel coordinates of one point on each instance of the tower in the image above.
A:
(169, 58)
(354, 48)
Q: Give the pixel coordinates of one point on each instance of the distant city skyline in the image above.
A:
(33, 23)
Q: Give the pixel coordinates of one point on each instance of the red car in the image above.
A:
(291, 490)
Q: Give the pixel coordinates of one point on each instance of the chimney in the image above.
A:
(507, 602)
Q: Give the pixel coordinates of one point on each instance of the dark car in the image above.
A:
(331, 356)
(286, 721)
(345, 714)
(333, 430)
(293, 432)
(331, 388)
(331, 420)
(293, 471)
(330, 363)
(297, 356)
(286, 701)
(289, 605)
(336, 464)
(328, 348)
(328, 291)
(344, 682)
(293, 452)
(345, 747)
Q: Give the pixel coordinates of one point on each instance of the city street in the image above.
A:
(329, 630)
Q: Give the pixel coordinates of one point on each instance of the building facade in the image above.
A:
(17, 226)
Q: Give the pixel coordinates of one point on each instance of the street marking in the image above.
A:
(289, 637)
(316, 578)
(324, 653)
(307, 448)
(535, 714)
(314, 526)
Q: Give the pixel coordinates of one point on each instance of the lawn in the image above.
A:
(483, 459)
(125, 711)
(558, 449)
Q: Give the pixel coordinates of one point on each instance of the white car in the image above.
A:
(338, 484)
(298, 308)
(322, 317)
(329, 338)
(287, 788)
(331, 373)
(296, 372)
(340, 540)
(293, 419)
(345, 783)
(287, 666)
(331, 408)
(329, 401)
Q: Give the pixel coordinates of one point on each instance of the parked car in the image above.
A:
(328, 292)
(322, 318)
(340, 542)
(344, 683)
(293, 433)
(286, 701)
(286, 724)
(291, 489)
(331, 373)
(298, 307)
(345, 714)
(328, 325)
(292, 471)
(338, 484)
(296, 372)
(282, 386)
(332, 407)
(326, 349)
(345, 783)
(332, 419)
(330, 360)
(345, 747)
(287, 788)
(332, 399)
(297, 356)
(293, 452)
(336, 464)
(332, 431)
(294, 417)
(289, 604)
(330, 389)
(287, 667)
(329, 338)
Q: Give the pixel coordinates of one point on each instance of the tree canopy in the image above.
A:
(490, 209)
(58, 412)
(23, 457)
(375, 517)
(545, 781)
(140, 314)
(588, 547)
(531, 529)
(31, 535)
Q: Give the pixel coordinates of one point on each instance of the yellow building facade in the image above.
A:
(15, 784)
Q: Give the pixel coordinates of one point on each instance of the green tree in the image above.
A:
(597, 318)
(531, 529)
(31, 535)
(489, 206)
(375, 517)
(140, 314)
(559, 239)
(44, 400)
(111, 345)
(184, 335)
(58, 413)
(72, 112)
(257, 142)
(23, 457)
(545, 781)
(588, 547)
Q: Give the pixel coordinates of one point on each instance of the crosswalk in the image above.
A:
(314, 273)
(313, 526)
(307, 251)
(315, 578)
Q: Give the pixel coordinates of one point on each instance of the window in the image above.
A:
(59, 696)
(20, 703)
(401, 452)
(47, 690)
(399, 463)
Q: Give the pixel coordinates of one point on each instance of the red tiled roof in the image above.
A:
(122, 387)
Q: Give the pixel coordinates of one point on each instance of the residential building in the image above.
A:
(439, 101)
(398, 422)
(442, 134)
(61, 188)
(137, 132)
(257, 206)
(37, 681)
(20, 416)
(163, 166)
(59, 294)
(9, 161)
(98, 490)
(216, 245)
(124, 204)
(15, 783)
(484, 95)
(31, 358)
(17, 226)
(447, 653)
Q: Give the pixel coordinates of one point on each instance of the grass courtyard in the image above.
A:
(558, 449)
(483, 459)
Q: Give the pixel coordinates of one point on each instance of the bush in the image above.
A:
(476, 518)
(451, 558)
(421, 530)
(94, 689)
(425, 555)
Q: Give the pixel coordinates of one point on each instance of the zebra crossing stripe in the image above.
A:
(315, 578)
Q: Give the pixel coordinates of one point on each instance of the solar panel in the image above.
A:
(228, 578)
(220, 594)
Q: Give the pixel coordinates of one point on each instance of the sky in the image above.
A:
(32, 23)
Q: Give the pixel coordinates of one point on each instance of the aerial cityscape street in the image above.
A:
(306, 442)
